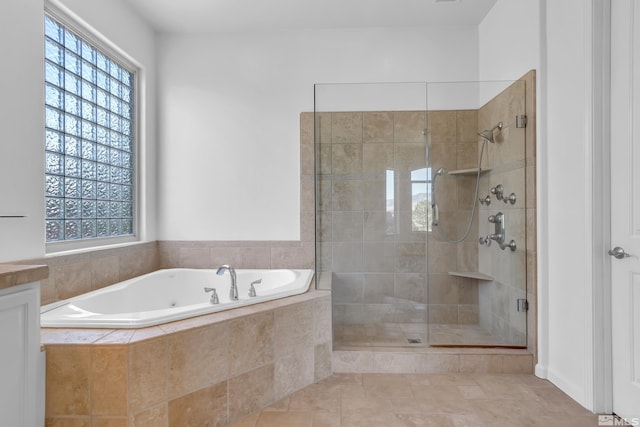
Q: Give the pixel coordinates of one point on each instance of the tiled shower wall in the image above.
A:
(378, 268)
(378, 264)
(512, 163)
(453, 300)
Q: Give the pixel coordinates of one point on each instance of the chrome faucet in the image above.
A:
(233, 292)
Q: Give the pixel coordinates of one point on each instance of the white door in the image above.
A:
(625, 206)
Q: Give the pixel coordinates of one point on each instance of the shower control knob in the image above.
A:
(511, 199)
(497, 190)
(485, 241)
(485, 200)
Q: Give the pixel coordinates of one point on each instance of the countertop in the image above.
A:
(16, 274)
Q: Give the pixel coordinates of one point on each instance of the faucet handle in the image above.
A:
(214, 295)
(498, 190)
(252, 289)
(485, 241)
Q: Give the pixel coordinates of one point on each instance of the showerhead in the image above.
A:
(439, 172)
(487, 134)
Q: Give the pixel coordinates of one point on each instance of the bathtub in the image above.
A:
(167, 295)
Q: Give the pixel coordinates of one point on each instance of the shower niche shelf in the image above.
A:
(468, 172)
(472, 275)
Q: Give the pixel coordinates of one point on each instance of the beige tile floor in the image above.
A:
(438, 400)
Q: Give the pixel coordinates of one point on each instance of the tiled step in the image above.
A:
(430, 360)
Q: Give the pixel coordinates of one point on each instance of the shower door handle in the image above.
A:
(618, 253)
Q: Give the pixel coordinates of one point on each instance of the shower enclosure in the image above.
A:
(421, 214)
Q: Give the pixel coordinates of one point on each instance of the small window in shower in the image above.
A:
(392, 217)
(420, 200)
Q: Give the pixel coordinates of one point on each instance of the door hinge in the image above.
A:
(521, 121)
(522, 304)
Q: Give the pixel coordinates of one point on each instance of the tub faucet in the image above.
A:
(233, 292)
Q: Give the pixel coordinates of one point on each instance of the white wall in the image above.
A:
(22, 113)
(509, 40)
(509, 43)
(567, 360)
(552, 37)
(229, 108)
(22, 124)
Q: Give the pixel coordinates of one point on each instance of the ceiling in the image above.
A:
(197, 16)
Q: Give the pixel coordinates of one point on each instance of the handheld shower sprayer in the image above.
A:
(487, 136)
(434, 206)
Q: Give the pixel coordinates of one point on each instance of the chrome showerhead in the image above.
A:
(488, 134)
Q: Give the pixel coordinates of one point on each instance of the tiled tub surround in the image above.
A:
(209, 370)
(75, 274)
(240, 254)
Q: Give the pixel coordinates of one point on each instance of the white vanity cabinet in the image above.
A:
(21, 375)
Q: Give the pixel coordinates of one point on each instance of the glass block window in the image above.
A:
(89, 139)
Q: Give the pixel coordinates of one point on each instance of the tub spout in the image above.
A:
(233, 292)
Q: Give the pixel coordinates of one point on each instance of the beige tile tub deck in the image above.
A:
(195, 372)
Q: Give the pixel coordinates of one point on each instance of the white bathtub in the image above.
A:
(168, 295)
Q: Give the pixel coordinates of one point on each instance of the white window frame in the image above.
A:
(66, 17)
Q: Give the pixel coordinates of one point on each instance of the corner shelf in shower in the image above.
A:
(472, 275)
(468, 172)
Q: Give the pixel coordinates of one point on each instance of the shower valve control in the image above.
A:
(498, 190)
(499, 234)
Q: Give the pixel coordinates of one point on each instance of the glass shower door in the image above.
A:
(372, 211)
(477, 252)
(421, 212)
